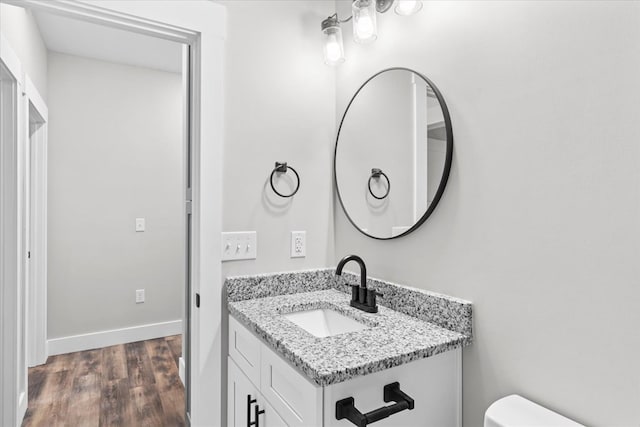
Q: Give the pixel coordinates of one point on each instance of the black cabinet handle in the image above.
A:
(250, 402)
(256, 412)
(346, 408)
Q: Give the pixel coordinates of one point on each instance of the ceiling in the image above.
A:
(75, 37)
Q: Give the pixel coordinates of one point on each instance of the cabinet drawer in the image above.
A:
(434, 383)
(244, 349)
(296, 399)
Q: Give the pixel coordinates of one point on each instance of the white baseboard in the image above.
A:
(181, 369)
(113, 337)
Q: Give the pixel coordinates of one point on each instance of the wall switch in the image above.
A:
(298, 244)
(139, 296)
(238, 245)
(140, 224)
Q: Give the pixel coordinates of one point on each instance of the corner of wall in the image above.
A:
(21, 30)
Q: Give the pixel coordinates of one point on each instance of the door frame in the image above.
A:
(36, 288)
(202, 26)
(13, 369)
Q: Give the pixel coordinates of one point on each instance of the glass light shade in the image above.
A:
(408, 7)
(332, 43)
(365, 29)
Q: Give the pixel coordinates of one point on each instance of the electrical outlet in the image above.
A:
(298, 244)
(139, 296)
(140, 225)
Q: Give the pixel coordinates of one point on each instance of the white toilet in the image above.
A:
(516, 411)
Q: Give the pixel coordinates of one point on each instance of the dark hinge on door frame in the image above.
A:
(189, 202)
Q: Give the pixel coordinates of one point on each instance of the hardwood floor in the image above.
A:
(134, 384)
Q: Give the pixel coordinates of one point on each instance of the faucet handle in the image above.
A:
(371, 297)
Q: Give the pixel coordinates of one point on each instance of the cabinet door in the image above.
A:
(271, 417)
(242, 401)
(240, 394)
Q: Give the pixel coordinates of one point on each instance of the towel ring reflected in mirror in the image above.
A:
(376, 174)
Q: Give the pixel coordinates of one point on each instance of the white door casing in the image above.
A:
(201, 25)
(13, 367)
(36, 162)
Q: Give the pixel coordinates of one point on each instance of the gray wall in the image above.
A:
(21, 31)
(280, 106)
(540, 223)
(115, 153)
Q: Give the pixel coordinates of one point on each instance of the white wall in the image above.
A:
(540, 223)
(21, 31)
(279, 106)
(115, 154)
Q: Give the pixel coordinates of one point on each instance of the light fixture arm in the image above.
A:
(334, 19)
(345, 20)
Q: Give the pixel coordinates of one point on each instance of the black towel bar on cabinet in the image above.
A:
(346, 408)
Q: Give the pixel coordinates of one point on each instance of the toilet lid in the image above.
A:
(516, 411)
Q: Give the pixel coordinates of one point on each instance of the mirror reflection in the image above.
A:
(393, 153)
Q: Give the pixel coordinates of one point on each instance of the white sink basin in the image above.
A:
(324, 322)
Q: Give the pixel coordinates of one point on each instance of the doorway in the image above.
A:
(200, 25)
(116, 222)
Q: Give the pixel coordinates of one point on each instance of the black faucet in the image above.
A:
(361, 297)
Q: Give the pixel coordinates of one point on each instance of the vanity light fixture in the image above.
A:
(365, 29)
(408, 7)
(332, 41)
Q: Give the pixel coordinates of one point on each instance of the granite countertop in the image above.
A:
(391, 339)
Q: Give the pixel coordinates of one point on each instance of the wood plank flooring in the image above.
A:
(134, 384)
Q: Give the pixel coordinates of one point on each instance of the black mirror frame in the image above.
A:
(447, 163)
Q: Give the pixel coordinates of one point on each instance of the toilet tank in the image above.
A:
(516, 411)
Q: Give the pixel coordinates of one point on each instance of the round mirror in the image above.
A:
(393, 153)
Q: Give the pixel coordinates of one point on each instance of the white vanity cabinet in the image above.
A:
(290, 399)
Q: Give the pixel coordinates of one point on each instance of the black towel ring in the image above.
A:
(376, 173)
(282, 168)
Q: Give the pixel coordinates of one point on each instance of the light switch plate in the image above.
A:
(298, 244)
(139, 296)
(237, 245)
(140, 225)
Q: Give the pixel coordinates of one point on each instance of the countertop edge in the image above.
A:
(328, 379)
